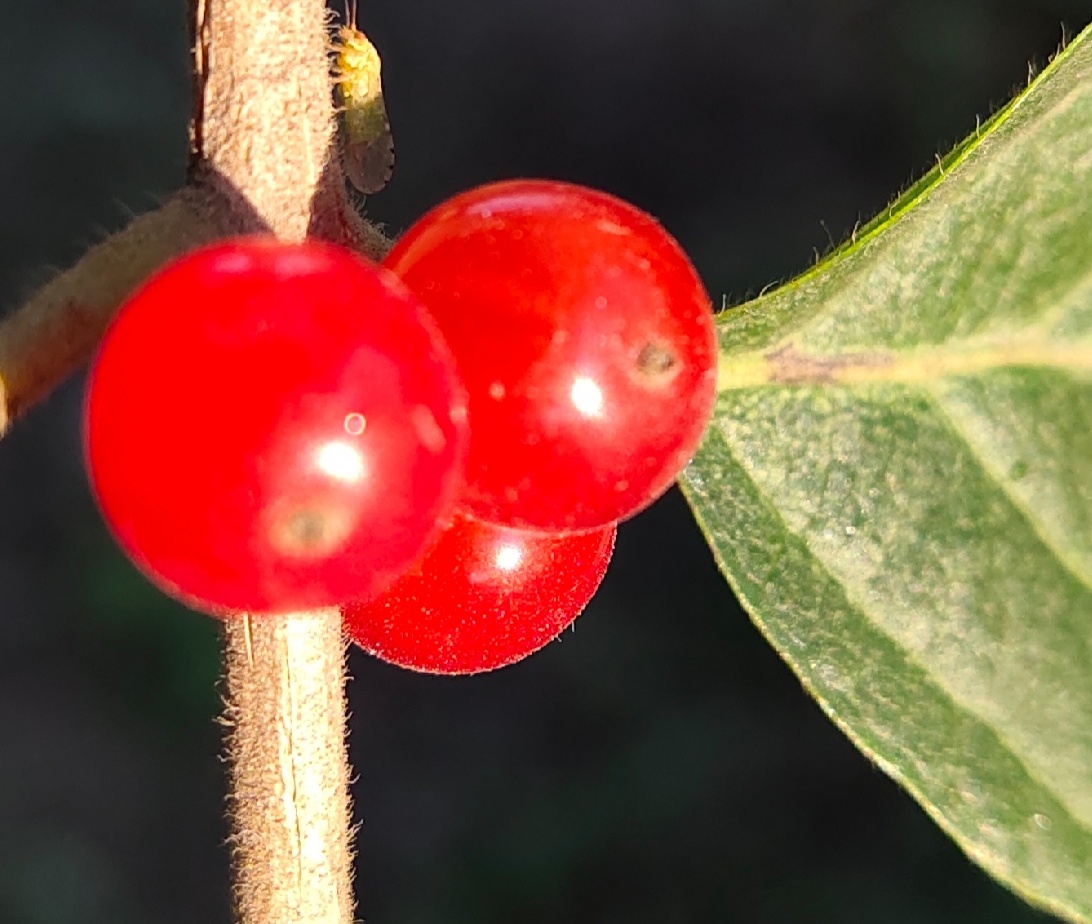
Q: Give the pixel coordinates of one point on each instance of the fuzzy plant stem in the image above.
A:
(263, 133)
(289, 774)
(53, 332)
(260, 163)
(229, 192)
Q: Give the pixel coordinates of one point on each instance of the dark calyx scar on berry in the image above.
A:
(441, 446)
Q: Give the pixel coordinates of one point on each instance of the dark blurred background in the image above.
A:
(660, 763)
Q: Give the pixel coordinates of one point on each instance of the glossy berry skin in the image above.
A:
(485, 596)
(585, 339)
(273, 427)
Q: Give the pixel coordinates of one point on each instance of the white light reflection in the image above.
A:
(341, 460)
(587, 396)
(508, 557)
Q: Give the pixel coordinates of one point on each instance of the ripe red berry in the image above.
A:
(273, 427)
(585, 339)
(483, 597)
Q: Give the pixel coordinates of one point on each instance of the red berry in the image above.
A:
(484, 596)
(585, 339)
(273, 427)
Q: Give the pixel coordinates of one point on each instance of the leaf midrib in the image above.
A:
(787, 365)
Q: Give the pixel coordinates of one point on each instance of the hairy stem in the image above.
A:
(266, 122)
(289, 775)
(264, 134)
(50, 335)
(261, 161)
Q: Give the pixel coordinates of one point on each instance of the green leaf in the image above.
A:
(898, 486)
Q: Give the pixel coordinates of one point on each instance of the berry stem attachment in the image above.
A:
(289, 801)
(52, 333)
(253, 168)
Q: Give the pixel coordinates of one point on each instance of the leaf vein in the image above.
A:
(855, 603)
(1005, 485)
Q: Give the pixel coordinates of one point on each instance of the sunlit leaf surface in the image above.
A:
(898, 486)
